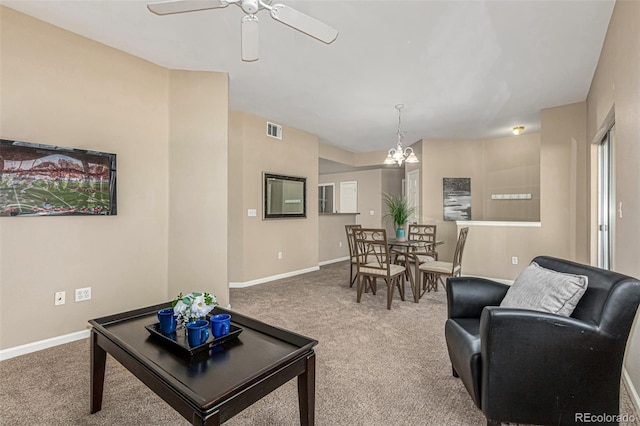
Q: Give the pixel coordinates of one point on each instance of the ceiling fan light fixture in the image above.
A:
(250, 38)
(518, 130)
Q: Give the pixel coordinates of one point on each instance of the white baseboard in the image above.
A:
(328, 262)
(43, 344)
(72, 337)
(273, 278)
(633, 391)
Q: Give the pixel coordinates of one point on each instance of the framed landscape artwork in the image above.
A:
(457, 198)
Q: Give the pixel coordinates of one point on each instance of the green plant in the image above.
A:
(399, 210)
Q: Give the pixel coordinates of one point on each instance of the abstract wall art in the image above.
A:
(457, 198)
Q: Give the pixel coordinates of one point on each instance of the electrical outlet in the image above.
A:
(514, 260)
(83, 294)
(340, 244)
(59, 298)
(280, 255)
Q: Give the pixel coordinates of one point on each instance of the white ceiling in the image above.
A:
(464, 69)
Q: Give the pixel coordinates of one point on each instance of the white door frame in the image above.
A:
(606, 201)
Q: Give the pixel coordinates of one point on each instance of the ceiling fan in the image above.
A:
(280, 12)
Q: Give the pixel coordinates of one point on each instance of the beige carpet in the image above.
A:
(374, 366)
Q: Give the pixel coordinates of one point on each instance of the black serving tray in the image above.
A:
(178, 339)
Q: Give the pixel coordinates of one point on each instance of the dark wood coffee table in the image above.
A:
(211, 387)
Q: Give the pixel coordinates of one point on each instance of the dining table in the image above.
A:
(411, 249)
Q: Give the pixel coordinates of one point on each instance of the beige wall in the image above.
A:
(563, 139)
(489, 249)
(511, 166)
(447, 159)
(372, 158)
(198, 183)
(62, 89)
(508, 165)
(254, 255)
(369, 194)
(333, 241)
(333, 153)
(503, 165)
(371, 185)
(237, 210)
(391, 184)
(616, 87)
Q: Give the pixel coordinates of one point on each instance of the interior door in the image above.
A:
(349, 197)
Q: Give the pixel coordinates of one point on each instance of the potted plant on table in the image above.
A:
(399, 212)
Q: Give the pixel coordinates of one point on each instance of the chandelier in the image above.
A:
(397, 154)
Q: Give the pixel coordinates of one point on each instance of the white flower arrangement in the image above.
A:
(193, 306)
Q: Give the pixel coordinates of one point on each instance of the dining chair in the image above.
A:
(433, 271)
(373, 261)
(426, 233)
(352, 253)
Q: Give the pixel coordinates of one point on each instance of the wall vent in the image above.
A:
(274, 130)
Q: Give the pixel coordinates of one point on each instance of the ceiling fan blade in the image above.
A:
(250, 38)
(304, 23)
(179, 6)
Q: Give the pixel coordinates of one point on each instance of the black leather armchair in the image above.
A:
(524, 366)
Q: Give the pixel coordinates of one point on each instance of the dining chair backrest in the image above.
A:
(350, 243)
(352, 253)
(422, 233)
(457, 255)
(372, 250)
(426, 233)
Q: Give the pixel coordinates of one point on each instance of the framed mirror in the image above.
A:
(283, 196)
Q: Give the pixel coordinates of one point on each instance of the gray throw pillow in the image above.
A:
(542, 289)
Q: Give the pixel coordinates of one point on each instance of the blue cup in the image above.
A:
(197, 332)
(167, 320)
(220, 324)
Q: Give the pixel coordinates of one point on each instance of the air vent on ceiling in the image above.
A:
(274, 130)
